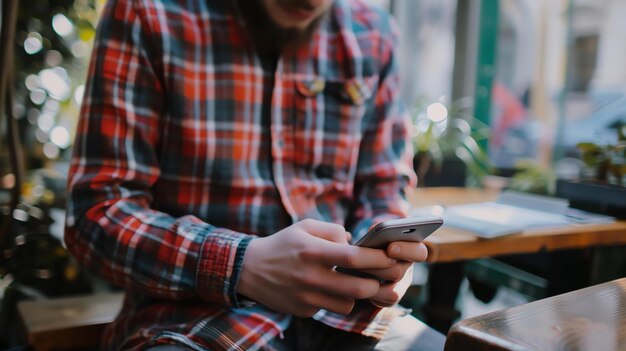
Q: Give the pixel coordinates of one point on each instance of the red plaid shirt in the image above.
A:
(189, 145)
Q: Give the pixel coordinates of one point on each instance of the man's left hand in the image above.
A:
(400, 276)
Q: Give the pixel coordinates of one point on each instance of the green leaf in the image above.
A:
(587, 147)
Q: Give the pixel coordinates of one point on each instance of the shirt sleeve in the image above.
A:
(111, 228)
(385, 164)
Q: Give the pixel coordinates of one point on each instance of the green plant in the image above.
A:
(531, 178)
(607, 162)
(449, 131)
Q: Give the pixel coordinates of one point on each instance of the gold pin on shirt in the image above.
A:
(357, 91)
(311, 88)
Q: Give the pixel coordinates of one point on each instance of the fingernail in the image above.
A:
(395, 250)
(392, 261)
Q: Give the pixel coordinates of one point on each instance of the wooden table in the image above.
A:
(66, 323)
(593, 318)
(451, 244)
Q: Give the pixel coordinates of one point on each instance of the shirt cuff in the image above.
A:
(219, 266)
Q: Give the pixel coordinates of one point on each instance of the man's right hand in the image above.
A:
(292, 270)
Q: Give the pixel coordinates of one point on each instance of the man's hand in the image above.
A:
(400, 276)
(292, 270)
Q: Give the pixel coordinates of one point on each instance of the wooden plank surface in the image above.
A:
(593, 318)
(68, 323)
(451, 244)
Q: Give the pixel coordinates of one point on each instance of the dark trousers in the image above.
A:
(303, 334)
(406, 333)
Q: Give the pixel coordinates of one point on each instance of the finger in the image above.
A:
(408, 251)
(325, 230)
(348, 256)
(337, 304)
(390, 294)
(393, 274)
(381, 304)
(340, 284)
(386, 296)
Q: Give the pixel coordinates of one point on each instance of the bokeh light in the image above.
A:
(45, 121)
(437, 112)
(79, 48)
(53, 58)
(62, 25)
(32, 115)
(60, 137)
(41, 136)
(78, 94)
(50, 150)
(31, 82)
(33, 43)
(38, 96)
(56, 82)
(51, 106)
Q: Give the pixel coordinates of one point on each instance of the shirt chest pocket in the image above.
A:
(329, 119)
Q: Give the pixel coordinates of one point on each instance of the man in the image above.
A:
(224, 148)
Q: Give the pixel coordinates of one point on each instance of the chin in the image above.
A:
(288, 23)
(297, 26)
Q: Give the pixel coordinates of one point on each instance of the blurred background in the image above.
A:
(500, 91)
(541, 75)
(53, 42)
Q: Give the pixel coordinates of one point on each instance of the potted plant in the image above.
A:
(449, 143)
(603, 187)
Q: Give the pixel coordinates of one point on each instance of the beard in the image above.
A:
(268, 36)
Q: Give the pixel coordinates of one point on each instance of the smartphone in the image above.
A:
(414, 229)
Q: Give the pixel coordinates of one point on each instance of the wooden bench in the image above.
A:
(68, 323)
(593, 318)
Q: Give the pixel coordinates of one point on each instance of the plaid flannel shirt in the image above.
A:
(188, 147)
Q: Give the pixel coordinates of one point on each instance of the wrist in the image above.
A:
(245, 284)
